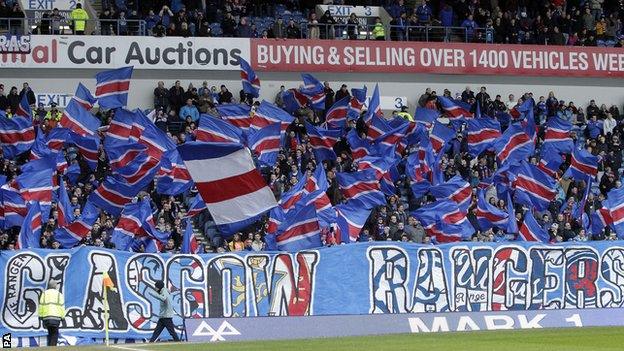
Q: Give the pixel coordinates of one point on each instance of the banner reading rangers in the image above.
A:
(354, 279)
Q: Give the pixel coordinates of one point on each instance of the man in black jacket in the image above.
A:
(161, 96)
(30, 95)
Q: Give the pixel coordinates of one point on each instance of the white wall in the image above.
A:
(579, 90)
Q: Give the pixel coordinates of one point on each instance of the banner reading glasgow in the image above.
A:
(351, 279)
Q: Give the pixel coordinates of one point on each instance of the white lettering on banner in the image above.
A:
(60, 99)
(467, 322)
(389, 102)
(102, 52)
(39, 5)
(346, 11)
(439, 324)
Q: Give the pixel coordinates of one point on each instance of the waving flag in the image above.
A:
(489, 216)
(582, 165)
(322, 141)
(350, 221)
(88, 148)
(336, 116)
(440, 135)
(234, 191)
(173, 178)
(136, 221)
(356, 103)
(455, 109)
(294, 100)
(392, 140)
(265, 143)
(455, 189)
(426, 116)
(79, 120)
(39, 148)
(36, 186)
(482, 133)
(197, 206)
(557, 135)
(385, 171)
(251, 82)
(534, 187)
(77, 230)
(600, 219)
(531, 230)
(65, 213)
(84, 98)
(513, 145)
(292, 197)
(314, 90)
(300, 231)
(615, 204)
(550, 160)
(30, 232)
(377, 127)
(189, 241)
(374, 106)
(444, 221)
(360, 148)
(112, 87)
(120, 127)
(145, 132)
(512, 223)
(113, 194)
(238, 115)
(140, 171)
(17, 135)
(361, 186)
(14, 207)
(23, 109)
(267, 114)
(215, 130)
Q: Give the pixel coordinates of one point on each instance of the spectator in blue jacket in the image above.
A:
(424, 13)
(151, 20)
(594, 127)
(446, 16)
(189, 110)
(470, 26)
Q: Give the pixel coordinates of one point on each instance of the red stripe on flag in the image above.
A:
(231, 187)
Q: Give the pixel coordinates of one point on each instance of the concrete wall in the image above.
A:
(579, 90)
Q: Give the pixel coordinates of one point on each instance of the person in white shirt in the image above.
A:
(609, 124)
(512, 102)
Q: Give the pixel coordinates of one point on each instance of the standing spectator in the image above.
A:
(398, 27)
(327, 26)
(13, 99)
(609, 125)
(483, 99)
(379, 31)
(467, 95)
(151, 21)
(225, 97)
(588, 20)
(343, 92)
(4, 102)
(176, 96)
(243, 30)
(470, 26)
(292, 31)
(424, 13)
(107, 23)
(556, 37)
(189, 111)
(353, 27)
(313, 28)
(79, 17)
(279, 29)
(30, 95)
(329, 95)
(279, 97)
(228, 25)
(446, 16)
(161, 96)
(55, 22)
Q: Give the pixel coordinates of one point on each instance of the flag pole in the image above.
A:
(106, 315)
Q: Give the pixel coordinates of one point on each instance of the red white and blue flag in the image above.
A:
(84, 97)
(514, 145)
(455, 189)
(17, 135)
(265, 143)
(440, 135)
(600, 219)
(112, 86)
(197, 206)
(534, 188)
(426, 116)
(374, 107)
(113, 194)
(582, 165)
(360, 148)
(173, 178)
(189, 241)
(322, 141)
(14, 206)
(557, 135)
(23, 108)
(361, 186)
(299, 231)
(356, 103)
(455, 110)
(314, 90)
(216, 130)
(351, 218)
(64, 208)
(30, 231)
(444, 221)
(615, 204)
(251, 82)
(234, 190)
(267, 114)
(79, 228)
(336, 116)
(550, 160)
(488, 215)
(238, 115)
(79, 120)
(481, 134)
(531, 230)
(36, 186)
(294, 100)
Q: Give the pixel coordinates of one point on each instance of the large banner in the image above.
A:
(445, 58)
(354, 279)
(106, 52)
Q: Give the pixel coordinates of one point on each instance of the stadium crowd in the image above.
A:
(597, 128)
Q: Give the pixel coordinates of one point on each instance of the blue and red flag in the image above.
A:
(512, 223)
(455, 110)
(356, 103)
(197, 206)
(23, 109)
(392, 140)
(377, 127)
(440, 135)
(385, 171)
(290, 198)
(481, 134)
(145, 132)
(534, 188)
(113, 194)
(615, 204)
(557, 135)
(336, 116)
(362, 186)
(300, 231)
(14, 206)
(251, 82)
(83, 97)
(173, 178)
(36, 185)
(216, 130)
(550, 160)
(267, 114)
(600, 219)
(17, 135)
(88, 147)
(488, 215)
(360, 148)
(514, 145)
(64, 208)
(238, 115)
(294, 100)
(112, 86)
(314, 90)
(455, 189)
(374, 106)
(79, 120)
(444, 221)
(531, 230)
(265, 143)
(582, 165)
(79, 228)
(189, 241)
(136, 221)
(322, 142)
(351, 218)
(30, 231)
(426, 116)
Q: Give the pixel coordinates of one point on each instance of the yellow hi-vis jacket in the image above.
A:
(52, 304)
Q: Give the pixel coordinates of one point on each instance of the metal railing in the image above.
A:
(67, 26)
